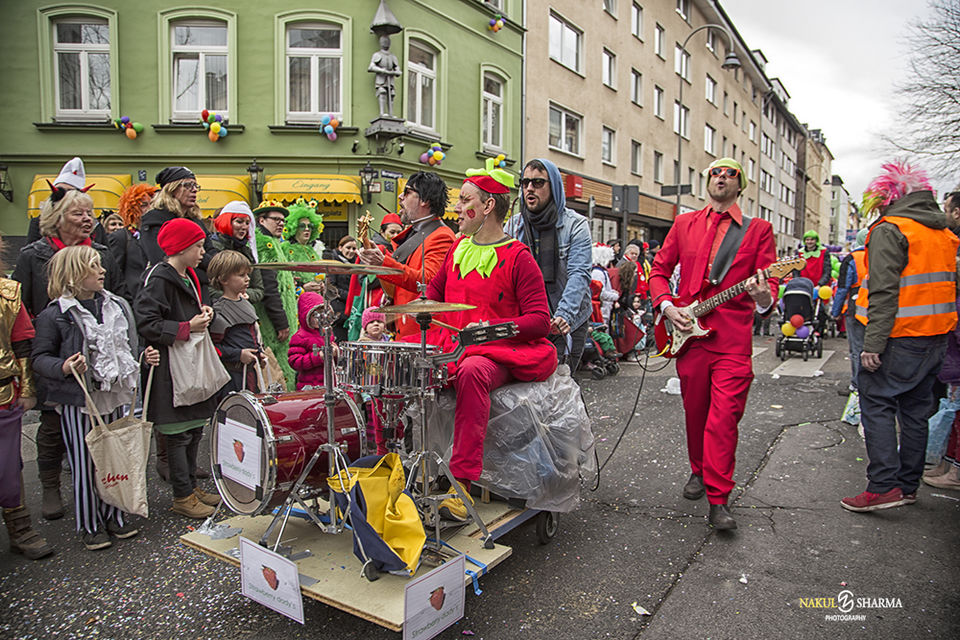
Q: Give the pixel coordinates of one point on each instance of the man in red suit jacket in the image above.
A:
(423, 244)
(716, 371)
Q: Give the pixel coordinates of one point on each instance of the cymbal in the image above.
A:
(330, 267)
(425, 306)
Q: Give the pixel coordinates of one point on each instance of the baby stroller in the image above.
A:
(799, 299)
(596, 360)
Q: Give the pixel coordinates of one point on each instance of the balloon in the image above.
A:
(219, 118)
(325, 120)
(503, 164)
(788, 329)
(327, 129)
(116, 124)
(493, 21)
(825, 292)
(334, 123)
(796, 320)
(223, 132)
(138, 127)
(423, 157)
(204, 114)
(213, 136)
(332, 136)
(803, 332)
(431, 161)
(215, 127)
(131, 133)
(206, 125)
(124, 119)
(438, 155)
(211, 118)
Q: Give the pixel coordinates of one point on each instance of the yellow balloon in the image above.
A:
(438, 155)
(825, 292)
(788, 329)
(215, 127)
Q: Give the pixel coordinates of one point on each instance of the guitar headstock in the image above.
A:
(363, 229)
(784, 266)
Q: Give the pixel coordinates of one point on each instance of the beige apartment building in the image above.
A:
(602, 101)
(815, 161)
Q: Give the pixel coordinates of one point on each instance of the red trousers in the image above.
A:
(477, 377)
(714, 388)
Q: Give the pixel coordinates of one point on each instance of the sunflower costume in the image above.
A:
(301, 212)
(270, 249)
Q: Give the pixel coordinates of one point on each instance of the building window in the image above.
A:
(711, 42)
(565, 43)
(610, 6)
(658, 102)
(421, 85)
(683, 8)
(636, 87)
(81, 59)
(723, 148)
(751, 169)
(681, 119)
(608, 146)
(711, 90)
(564, 134)
(709, 139)
(496, 4)
(491, 112)
(736, 110)
(636, 158)
(314, 55)
(700, 185)
(609, 61)
(766, 145)
(658, 167)
(787, 194)
(636, 20)
(726, 104)
(753, 129)
(200, 68)
(767, 182)
(658, 40)
(681, 62)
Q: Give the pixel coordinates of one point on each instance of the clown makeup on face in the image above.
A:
(304, 231)
(241, 227)
(471, 210)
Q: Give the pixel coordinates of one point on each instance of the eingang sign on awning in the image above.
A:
(218, 190)
(333, 189)
(106, 191)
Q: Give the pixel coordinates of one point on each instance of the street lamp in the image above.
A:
(367, 176)
(730, 61)
(256, 178)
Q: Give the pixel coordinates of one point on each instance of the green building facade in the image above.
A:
(274, 72)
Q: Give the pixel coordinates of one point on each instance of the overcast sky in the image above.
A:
(839, 60)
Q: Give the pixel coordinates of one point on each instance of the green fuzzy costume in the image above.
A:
(293, 251)
(270, 249)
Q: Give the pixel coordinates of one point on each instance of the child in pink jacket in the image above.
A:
(305, 354)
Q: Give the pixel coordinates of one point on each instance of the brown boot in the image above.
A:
(23, 537)
(51, 508)
(949, 480)
(211, 499)
(938, 470)
(192, 507)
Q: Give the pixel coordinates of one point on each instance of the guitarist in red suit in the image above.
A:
(716, 248)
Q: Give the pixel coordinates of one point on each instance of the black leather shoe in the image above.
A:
(721, 518)
(693, 490)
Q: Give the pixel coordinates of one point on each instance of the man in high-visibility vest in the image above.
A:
(852, 272)
(908, 303)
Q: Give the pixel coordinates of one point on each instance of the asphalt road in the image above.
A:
(634, 547)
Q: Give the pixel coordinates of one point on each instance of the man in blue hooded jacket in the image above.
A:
(561, 244)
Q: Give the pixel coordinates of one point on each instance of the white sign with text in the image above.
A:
(434, 601)
(238, 452)
(270, 579)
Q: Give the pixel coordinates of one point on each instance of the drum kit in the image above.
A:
(301, 439)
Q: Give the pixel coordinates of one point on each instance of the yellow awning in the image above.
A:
(216, 191)
(453, 192)
(106, 191)
(323, 187)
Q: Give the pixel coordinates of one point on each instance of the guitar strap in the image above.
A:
(728, 250)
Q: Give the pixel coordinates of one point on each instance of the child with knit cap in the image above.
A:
(305, 354)
(168, 309)
(374, 327)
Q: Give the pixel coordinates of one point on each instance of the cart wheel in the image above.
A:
(820, 349)
(613, 368)
(547, 524)
(783, 355)
(778, 348)
(598, 372)
(806, 354)
(370, 572)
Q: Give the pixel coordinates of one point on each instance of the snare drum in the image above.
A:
(386, 369)
(261, 443)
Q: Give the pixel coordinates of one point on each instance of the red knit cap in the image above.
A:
(390, 218)
(488, 184)
(178, 234)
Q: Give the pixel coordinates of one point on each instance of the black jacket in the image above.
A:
(150, 225)
(130, 260)
(272, 303)
(59, 337)
(31, 273)
(160, 306)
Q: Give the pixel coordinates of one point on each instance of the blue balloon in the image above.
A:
(328, 129)
(206, 125)
(223, 132)
(325, 120)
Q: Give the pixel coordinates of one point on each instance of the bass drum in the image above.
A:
(261, 443)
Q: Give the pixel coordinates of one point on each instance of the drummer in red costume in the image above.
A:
(489, 269)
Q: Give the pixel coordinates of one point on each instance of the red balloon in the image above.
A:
(796, 320)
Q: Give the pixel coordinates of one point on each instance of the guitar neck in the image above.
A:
(726, 295)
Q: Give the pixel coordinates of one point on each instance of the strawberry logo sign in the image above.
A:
(437, 596)
(270, 576)
(238, 449)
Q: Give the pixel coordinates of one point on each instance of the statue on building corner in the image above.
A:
(383, 63)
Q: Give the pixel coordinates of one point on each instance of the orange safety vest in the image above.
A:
(860, 264)
(928, 284)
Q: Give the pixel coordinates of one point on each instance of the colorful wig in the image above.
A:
(297, 211)
(129, 206)
(897, 180)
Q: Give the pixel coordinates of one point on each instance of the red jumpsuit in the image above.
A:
(513, 292)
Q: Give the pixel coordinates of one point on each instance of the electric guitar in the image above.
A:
(671, 342)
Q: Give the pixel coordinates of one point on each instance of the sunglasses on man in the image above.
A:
(730, 172)
(536, 183)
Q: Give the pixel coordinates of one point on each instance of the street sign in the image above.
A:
(671, 189)
(391, 175)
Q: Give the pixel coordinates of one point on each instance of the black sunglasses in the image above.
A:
(537, 183)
